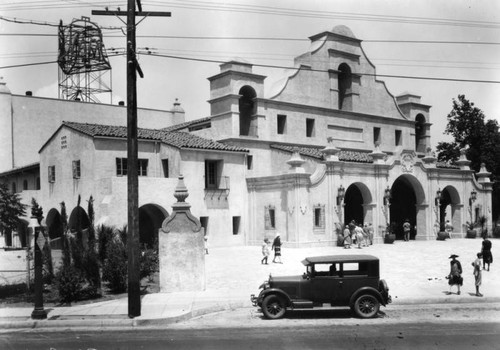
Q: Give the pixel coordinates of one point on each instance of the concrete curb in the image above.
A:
(93, 322)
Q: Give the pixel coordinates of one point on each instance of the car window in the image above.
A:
(355, 269)
(329, 269)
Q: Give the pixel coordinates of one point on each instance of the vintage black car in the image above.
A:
(329, 281)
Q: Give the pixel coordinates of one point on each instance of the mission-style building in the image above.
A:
(327, 144)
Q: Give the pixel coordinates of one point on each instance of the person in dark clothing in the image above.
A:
(486, 251)
(277, 249)
(455, 276)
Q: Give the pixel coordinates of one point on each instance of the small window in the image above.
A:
(249, 162)
(76, 169)
(164, 163)
(281, 124)
(398, 138)
(25, 185)
(212, 177)
(317, 217)
(14, 187)
(52, 173)
(376, 136)
(270, 218)
(236, 225)
(310, 127)
(142, 167)
(121, 166)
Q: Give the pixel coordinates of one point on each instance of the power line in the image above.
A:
(269, 10)
(440, 42)
(325, 71)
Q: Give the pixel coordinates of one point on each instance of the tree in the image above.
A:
(480, 137)
(11, 209)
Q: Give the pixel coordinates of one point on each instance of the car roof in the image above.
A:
(324, 259)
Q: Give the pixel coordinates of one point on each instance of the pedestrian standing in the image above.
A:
(265, 251)
(406, 230)
(448, 228)
(370, 232)
(347, 237)
(486, 251)
(358, 232)
(455, 276)
(277, 248)
(366, 235)
(477, 273)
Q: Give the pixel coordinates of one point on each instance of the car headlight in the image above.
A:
(264, 285)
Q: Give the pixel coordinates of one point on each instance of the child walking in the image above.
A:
(265, 251)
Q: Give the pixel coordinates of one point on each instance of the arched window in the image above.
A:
(247, 109)
(420, 133)
(345, 85)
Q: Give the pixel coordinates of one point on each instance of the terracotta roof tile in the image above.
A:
(174, 138)
(315, 152)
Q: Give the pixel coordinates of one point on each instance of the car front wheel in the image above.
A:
(366, 306)
(273, 307)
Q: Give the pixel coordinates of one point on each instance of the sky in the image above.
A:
(453, 44)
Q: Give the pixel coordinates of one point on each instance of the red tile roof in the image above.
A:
(315, 152)
(173, 138)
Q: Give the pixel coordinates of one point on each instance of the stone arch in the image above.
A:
(420, 133)
(407, 199)
(449, 208)
(55, 228)
(345, 87)
(78, 219)
(151, 217)
(247, 108)
(356, 200)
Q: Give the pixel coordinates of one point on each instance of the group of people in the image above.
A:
(455, 276)
(266, 250)
(357, 235)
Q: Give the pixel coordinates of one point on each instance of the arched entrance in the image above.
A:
(406, 196)
(357, 197)
(55, 228)
(151, 217)
(247, 109)
(78, 220)
(448, 208)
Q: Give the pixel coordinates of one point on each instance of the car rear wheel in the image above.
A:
(273, 307)
(366, 306)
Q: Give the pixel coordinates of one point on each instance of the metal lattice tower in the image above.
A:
(84, 69)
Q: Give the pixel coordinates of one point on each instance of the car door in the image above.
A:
(324, 284)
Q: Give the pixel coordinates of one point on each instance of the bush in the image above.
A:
(115, 267)
(105, 235)
(69, 284)
(149, 263)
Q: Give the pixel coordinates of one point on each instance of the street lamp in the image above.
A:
(437, 202)
(387, 203)
(472, 199)
(340, 200)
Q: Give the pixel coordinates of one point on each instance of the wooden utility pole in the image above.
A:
(134, 283)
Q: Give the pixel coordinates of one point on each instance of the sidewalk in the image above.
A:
(415, 272)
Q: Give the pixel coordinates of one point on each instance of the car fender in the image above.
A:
(276, 291)
(366, 290)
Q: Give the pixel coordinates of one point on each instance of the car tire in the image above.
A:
(366, 306)
(273, 307)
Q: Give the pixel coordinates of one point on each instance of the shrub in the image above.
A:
(115, 266)
(69, 284)
(149, 263)
(105, 235)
